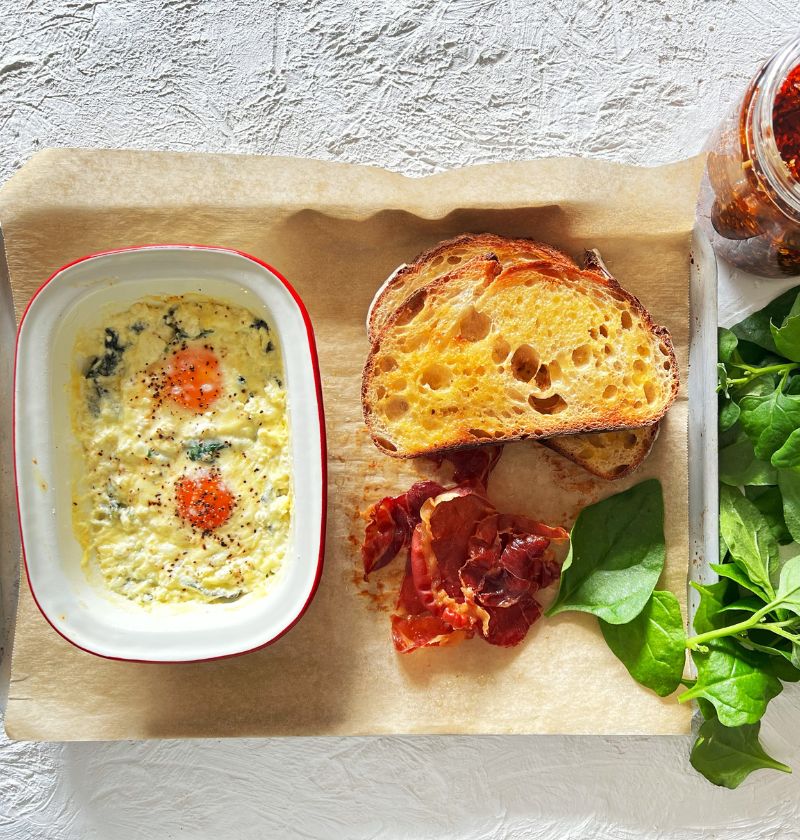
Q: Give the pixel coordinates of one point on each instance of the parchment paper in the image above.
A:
(336, 231)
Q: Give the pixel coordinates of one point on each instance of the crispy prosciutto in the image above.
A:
(391, 521)
(469, 570)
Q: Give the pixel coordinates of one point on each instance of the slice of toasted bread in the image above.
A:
(446, 257)
(534, 350)
(608, 455)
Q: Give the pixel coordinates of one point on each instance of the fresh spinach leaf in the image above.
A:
(733, 680)
(748, 537)
(733, 572)
(726, 344)
(787, 337)
(788, 455)
(713, 597)
(789, 585)
(750, 604)
(728, 415)
(730, 436)
(738, 465)
(652, 645)
(779, 664)
(769, 420)
(789, 484)
(777, 660)
(616, 555)
(759, 386)
(769, 502)
(756, 327)
(726, 755)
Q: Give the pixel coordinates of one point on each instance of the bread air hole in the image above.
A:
(547, 405)
(480, 433)
(524, 363)
(395, 408)
(664, 349)
(380, 392)
(581, 355)
(387, 363)
(667, 365)
(474, 325)
(626, 320)
(411, 308)
(500, 349)
(629, 440)
(595, 442)
(454, 259)
(542, 378)
(386, 444)
(610, 392)
(639, 366)
(650, 391)
(436, 377)
(555, 371)
(643, 351)
(604, 330)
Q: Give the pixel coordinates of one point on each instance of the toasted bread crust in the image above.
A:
(402, 283)
(487, 270)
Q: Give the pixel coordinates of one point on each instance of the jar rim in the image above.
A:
(760, 132)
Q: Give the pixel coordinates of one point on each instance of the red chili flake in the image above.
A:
(786, 122)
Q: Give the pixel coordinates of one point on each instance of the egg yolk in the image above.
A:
(203, 500)
(192, 378)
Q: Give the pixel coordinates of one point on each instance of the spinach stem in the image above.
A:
(775, 628)
(768, 625)
(755, 372)
(767, 369)
(732, 629)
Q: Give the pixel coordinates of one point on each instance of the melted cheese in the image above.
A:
(138, 443)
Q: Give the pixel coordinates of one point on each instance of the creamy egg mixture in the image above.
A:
(184, 494)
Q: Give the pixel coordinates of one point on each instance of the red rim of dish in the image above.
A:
(312, 346)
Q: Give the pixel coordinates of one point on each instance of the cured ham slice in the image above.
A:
(391, 521)
(469, 570)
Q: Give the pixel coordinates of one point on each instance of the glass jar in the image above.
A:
(749, 203)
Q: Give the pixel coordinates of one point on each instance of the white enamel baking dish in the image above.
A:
(76, 298)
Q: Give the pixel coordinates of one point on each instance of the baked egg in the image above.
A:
(184, 493)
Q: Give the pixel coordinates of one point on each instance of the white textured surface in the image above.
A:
(417, 86)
